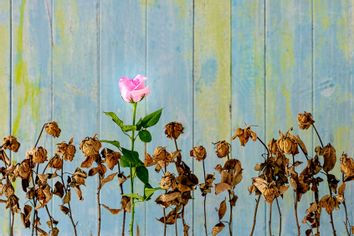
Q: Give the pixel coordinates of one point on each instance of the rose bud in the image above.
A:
(133, 90)
(199, 153)
(222, 148)
(66, 150)
(173, 130)
(52, 129)
(11, 143)
(305, 120)
(37, 155)
(90, 146)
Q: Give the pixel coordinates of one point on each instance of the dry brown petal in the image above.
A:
(329, 203)
(11, 143)
(217, 228)
(121, 178)
(222, 148)
(56, 162)
(222, 209)
(109, 178)
(4, 157)
(12, 203)
(168, 181)
(167, 198)
(78, 193)
(199, 153)
(244, 134)
(347, 167)
(329, 156)
(87, 163)
(67, 197)
(341, 190)
(79, 177)
(90, 146)
(221, 187)
(37, 155)
(148, 160)
(25, 216)
(112, 210)
(64, 209)
(111, 157)
(52, 129)
(125, 203)
(66, 150)
(8, 189)
(273, 146)
(173, 130)
(43, 195)
(23, 170)
(58, 189)
(170, 218)
(305, 120)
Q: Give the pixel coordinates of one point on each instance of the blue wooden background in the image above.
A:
(212, 65)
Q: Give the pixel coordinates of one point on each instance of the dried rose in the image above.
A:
(90, 146)
(56, 162)
(273, 146)
(23, 170)
(111, 157)
(347, 167)
(52, 129)
(329, 203)
(79, 177)
(66, 150)
(287, 144)
(13, 203)
(133, 90)
(168, 181)
(329, 155)
(173, 130)
(199, 153)
(222, 148)
(11, 143)
(244, 135)
(37, 155)
(305, 120)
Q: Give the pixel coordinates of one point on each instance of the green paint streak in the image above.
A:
(26, 91)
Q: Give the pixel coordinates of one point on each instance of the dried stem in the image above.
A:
(346, 221)
(12, 223)
(204, 204)
(176, 228)
(122, 193)
(270, 219)
(164, 212)
(50, 218)
(255, 215)
(230, 219)
(295, 207)
(280, 216)
(99, 205)
(318, 135)
(264, 145)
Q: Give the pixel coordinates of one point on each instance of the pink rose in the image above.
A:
(133, 90)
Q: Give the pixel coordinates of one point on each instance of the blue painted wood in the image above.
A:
(122, 54)
(248, 91)
(76, 72)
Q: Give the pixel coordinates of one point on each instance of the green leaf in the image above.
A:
(127, 128)
(151, 119)
(148, 192)
(143, 174)
(115, 118)
(145, 136)
(113, 142)
(130, 159)
(139, 124)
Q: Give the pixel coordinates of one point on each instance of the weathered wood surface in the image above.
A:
(212, 65)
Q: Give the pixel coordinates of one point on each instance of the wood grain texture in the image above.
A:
(248, 87)
(122, 54)
(76, 72)
(333, 86)
(169, 68)
(288, 89)
(31, 85)
(212, 94)
(5, 80)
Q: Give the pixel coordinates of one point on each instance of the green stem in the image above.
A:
(132, 139)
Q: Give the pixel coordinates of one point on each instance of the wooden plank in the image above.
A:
(248, 103)
(31, 85)
(333, 87)
(288, 89)
(212, 93)
(5, 80)
(76, 96)
(122, 54)
(169, 68)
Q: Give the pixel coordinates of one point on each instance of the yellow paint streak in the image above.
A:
(5, 78)
(345, 29)
(26, 90)
(212, 42)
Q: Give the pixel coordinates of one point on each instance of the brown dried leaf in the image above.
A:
(87, 163)
(347, 167)
(329, 156)
(54, 232)
(222, 209)
(221, 187)
(109, 178)
(58, 189)
(67, 197)
(112, 210)
(217, 228)
(64, 209)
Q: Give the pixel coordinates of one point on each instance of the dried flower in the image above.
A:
(329, 155)
(305, 120)
(66, 150)
(222, 148)
(11, 143)
(168, 181)
(244, 135)
(56, 162)
(111, 157)
(37, 155)
(173, 130)
(199, 153)
(287, 143)
(273, 146)
(90, 146)
(52, 129)
(347, 167)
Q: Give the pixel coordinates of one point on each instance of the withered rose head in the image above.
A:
(244, 135)
(79, 177)
(24, 169)
(347, 167)
(52, 129)
(13, 203)
(56, 162)
(111, 157)
(161, 154)
(199, 153)
(11, 143)
(222, 148)
(305, 120)
(90, 146)
(173, 130)
(287, 143)
(168, 181)
(37, 155)
(66, 150)
(273, 147)
(329, 156)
